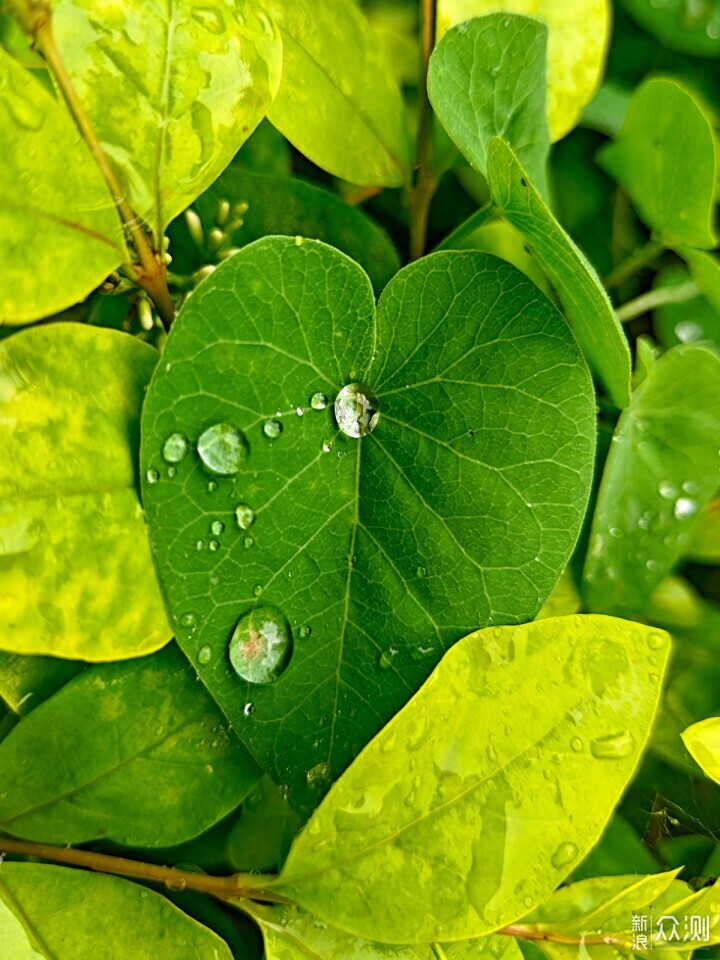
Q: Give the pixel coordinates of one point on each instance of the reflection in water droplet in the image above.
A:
(318, 401)
(249, 709)
(175, 448)
(152, 476)
(356, 410)
(187, 620)
(272, 429)
(204, 654)
(327, 446)
(564, 855)
(261, 646)
(667, 490)
(244, 515)
(217, 527)
(200, 545)
(685, 507)
(222, 448)
(614, 747)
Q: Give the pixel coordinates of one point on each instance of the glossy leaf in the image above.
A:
(689, 321)
(26, 681)
(291, 934)
(486, 79)
(663, 467)
(50, 188)
(379, 552)
(432, 833)
(135, 752)
(578, 35)
(586, 304)
(339, 102)
(705, 271)
(682, 25)
(665, 159)
(76, 575)
(77, 915)
(188, 84)
(703, 743)
(290, 207)
(691, 697)
(703, 545)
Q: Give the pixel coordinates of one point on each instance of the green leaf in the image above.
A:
(703, 545)
(689, 321)
(703, 743)
(705, 271)
(578, 36)
(59, 233)
(339, 102)
(692, 28)
(262, 834)
(135, 752)
(291, 207)
(77, 915)
(692, 695)
(662, 469)
(76, 574)
(586, 304)
(26, 681)
(292, 934)
(432, 833)
(15, 941)
(187, 83)
(380, 552)
(665, 160)
(486, 79)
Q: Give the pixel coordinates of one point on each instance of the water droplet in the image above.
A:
(249, 542)
(299, 241)
(245, 516)
(200, 545)
(327, 446)
(222, 448)
(656, 640)
(318, 775)
(356, 410)
(204, 655)
(528, 902)
(261, 645)
(152, 476)
(257, 590)
(667, 490)
(421, 571)
(564, 855)
(272, 429)
(217, 527)
(318, 401)
(249, 709)
(187, 620)
(172, 472)
(387, 657)
(212, 486)
(685, 507)
(615, 532)
(576, 744)
(305, 630)
(175, 448)
(214, 545)
(614, 747)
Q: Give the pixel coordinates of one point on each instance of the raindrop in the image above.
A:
(249, 709)
(305, 630)
(318, 775)
(318, 401)
(261, 645)
(214, 545)
(614, 747)
(356, 410)
(421, 571)
(576, 744)
(152, 476)
(257, 589)
(656, 640)
(248, 542)
(205, 655)
(217, 527)
(212, 486)
(175, 448)
(200, 545)
(299, 241)
(564, 855)
(222, 448)
(667, 490)
(327, 446)
(187, 620)
(387, 657)
(245, 516)
(272, 429)
(685, 507)
(172, 472)
(528, 901)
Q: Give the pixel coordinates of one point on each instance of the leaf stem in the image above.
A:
(634, 263)
(234, 887)
(149, 273)
(524, 932)
(466, 229)
(425, 181)
(660, 297)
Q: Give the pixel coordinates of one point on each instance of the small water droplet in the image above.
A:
(685, 507)
(249, 709)
(564, 855)
(272, 429)
(257, 590)
(152, 476)
(214, 545)
(387, 657)
(299, 241)
(318, 775)
(615, 532)
(205, 654)
(305, 630)
(217, 527)
(261, 645)
(421, 571)
(222, 448)
(656, 640)
(667, 490)
(200, 545)
(318, 401)
(327, 446)
(249, 542)
(356, 410)
(175, 448)
(576, 744)
(244, 515)
(614, 747)
(212, 486)
(172, 472)
(528, 902)
(187, 620)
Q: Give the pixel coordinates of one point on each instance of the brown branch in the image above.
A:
(523, 932)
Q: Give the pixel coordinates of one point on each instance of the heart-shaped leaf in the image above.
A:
(60, 235)
(459, 506)
(432, 833)
(188, 83)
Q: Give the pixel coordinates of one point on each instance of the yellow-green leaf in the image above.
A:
(703, 742)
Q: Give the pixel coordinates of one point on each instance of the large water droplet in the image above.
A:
(175, 448)
(272, 429)
(318, 401)
(217, 527)
(356, 410)
(261, 646)
(564, 855)
(614, 747)
(222, 448)
(245, 516)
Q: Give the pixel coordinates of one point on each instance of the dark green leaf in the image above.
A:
(683, 25)
(586, 304)
(619, 850)
(26, 681)
(381, 552)
(433, 832)
(663, 467)
(77, 915)
(262, 834)
(76, 574)
(486, 79)
(135, 752)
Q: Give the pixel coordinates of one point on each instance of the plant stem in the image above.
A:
(659, 297)
(634, 263)
(149, 273)
(425, 183)
(466, 229)
(523, 932)
(223, 888)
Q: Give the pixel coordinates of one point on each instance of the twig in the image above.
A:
(425, 182)
(468, 227)
(659, 297)
(635, 262)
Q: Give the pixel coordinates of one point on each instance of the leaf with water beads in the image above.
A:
(401, 511)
